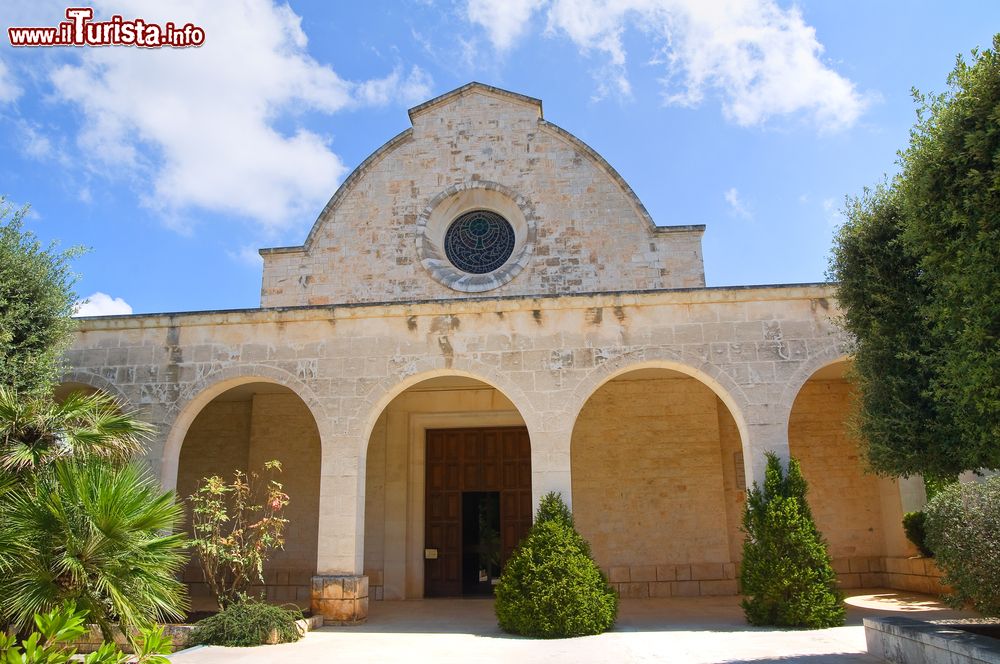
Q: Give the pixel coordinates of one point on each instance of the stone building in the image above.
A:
(482, 313)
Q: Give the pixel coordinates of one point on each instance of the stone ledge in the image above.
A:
(665, 580)
(907, 641)
(916, 574)
(179, 636)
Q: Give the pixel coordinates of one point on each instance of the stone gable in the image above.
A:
(584, 230)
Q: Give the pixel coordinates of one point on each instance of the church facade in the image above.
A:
(484, 312)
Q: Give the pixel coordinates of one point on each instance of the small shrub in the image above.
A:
(963, 530)
(551, 587)
(249, 622)
(786, 573)
(914, 527)
(55, 630)
(237, 525)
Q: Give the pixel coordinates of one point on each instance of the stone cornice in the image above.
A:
(472, 305)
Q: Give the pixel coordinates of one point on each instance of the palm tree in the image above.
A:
(99, 534)
(79, 520)
(35, 431)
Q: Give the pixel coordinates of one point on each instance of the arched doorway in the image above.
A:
(447, 489)
(240, 429)
(857, 512)
(659, 484)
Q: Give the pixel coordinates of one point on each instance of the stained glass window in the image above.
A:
(479, 242)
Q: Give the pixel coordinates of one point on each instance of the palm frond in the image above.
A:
(97, 532)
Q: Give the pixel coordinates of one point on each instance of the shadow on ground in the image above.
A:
(704, 614)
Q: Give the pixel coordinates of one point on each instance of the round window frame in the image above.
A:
(446, 208)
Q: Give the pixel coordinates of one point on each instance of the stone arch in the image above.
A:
(199, 394)
(97, 382)
(423, 369)
(827, 356)
(236, 423)
(710, 375)
(396, 433)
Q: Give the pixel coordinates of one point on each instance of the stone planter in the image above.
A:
(908, 641)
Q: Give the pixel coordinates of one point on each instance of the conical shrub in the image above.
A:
(786, 575)
(551, 587)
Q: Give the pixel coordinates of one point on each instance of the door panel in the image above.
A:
(472, 460)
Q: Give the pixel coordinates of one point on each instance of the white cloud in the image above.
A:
(834, 215)
(9, 90)
(761, 60)
(736, 204)
(504, 20)
(247, 254)
(214, 128)
(415, 88)
(102, 304)
(36, 144)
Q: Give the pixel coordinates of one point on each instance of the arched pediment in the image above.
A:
(575, 223)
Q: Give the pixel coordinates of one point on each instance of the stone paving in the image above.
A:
(691, 630)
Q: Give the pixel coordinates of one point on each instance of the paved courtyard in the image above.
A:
(696, 630)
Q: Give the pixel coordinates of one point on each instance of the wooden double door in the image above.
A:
(477, 509)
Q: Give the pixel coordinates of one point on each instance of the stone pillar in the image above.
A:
(340, 599)
(764, 437)
(912, 494)
(550, 465)
(341, 510)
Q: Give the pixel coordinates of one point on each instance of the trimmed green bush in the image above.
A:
(963, 530)
(249, 622)
(551, 587)
(786, 574)
(913, 526)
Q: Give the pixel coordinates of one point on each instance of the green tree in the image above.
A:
(918, 267)
(99, 534)
(36, 305)
(551, 587)
(36, 432)
(786, 573)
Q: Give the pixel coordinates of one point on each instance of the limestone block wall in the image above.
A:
(217, 444)
(649, 490)
(282, 428)
(592, 233)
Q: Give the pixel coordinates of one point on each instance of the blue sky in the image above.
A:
(753, 117)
